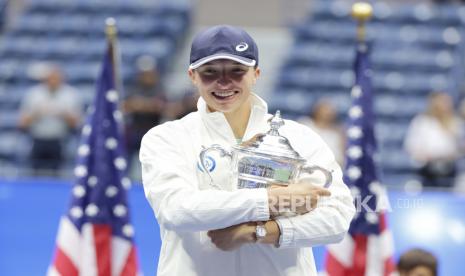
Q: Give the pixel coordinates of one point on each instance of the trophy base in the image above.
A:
(254, 182)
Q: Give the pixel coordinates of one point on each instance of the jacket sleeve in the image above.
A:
(171, 187)
(330, 220)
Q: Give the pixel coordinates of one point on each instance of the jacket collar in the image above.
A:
(216, 121)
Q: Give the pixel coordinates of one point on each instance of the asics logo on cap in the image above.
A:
(241, 47)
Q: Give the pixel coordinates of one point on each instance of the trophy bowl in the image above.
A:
(268, 159)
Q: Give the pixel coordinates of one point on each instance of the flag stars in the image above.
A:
(354, 172)
(355, 191)
(111, 143)
(86, 130)
(371, 217)
(80, 171)
(118, 115)
(120, 210)
(120, 163)
(111, 191)
(128, 230)
(112, 96)
(355, 112)
(92, 181)
(356, 91)
(126, 182)
(354, 132)
(76, 212)
(79, 191)
(83, 150)
(354, 152)
(375, 187)
(92, 210)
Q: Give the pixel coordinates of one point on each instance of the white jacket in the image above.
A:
(186, 206)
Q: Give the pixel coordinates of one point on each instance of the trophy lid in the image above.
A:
(272, 143)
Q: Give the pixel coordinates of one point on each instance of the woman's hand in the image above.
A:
(233, 237)
(298, 198)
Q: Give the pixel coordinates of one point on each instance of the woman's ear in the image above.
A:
(192, 76)
(256, 75)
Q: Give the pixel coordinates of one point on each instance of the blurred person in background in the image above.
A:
(143, 106)
(433, 141)
(323, 119)
(417, 262)
(461, 113)
(180, 108)
(50, 112)
(460, 181)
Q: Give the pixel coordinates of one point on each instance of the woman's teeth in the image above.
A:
(223, 94)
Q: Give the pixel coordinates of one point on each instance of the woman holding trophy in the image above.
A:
(235, 190)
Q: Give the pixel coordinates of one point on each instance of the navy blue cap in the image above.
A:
(223, 42)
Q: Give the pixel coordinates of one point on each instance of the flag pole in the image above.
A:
(362, 12)
(111, 33)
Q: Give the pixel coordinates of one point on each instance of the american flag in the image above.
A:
(368, 247)
(95, 236)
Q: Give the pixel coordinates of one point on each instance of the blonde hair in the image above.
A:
(446, 118)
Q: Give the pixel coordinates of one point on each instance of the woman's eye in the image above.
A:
(238, 70)
(209, 71)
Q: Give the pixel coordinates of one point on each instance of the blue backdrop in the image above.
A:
(30, 211)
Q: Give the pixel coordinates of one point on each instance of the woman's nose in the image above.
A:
(224, 79)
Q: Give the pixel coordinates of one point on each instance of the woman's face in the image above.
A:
(225, 85)
(325, 112)
(442, 104)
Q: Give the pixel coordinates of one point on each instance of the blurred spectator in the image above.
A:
(180, 108)
(460, 180)
(49, 112)
(417, 262)
(432, 141)
(144, 104)
(323, 120)
(461, 111)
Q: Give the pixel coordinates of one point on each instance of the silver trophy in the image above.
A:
(267, 160)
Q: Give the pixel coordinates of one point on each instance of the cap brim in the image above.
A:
(242, 60)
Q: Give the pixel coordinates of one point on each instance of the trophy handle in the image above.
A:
(203, 160)
(311, 169)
